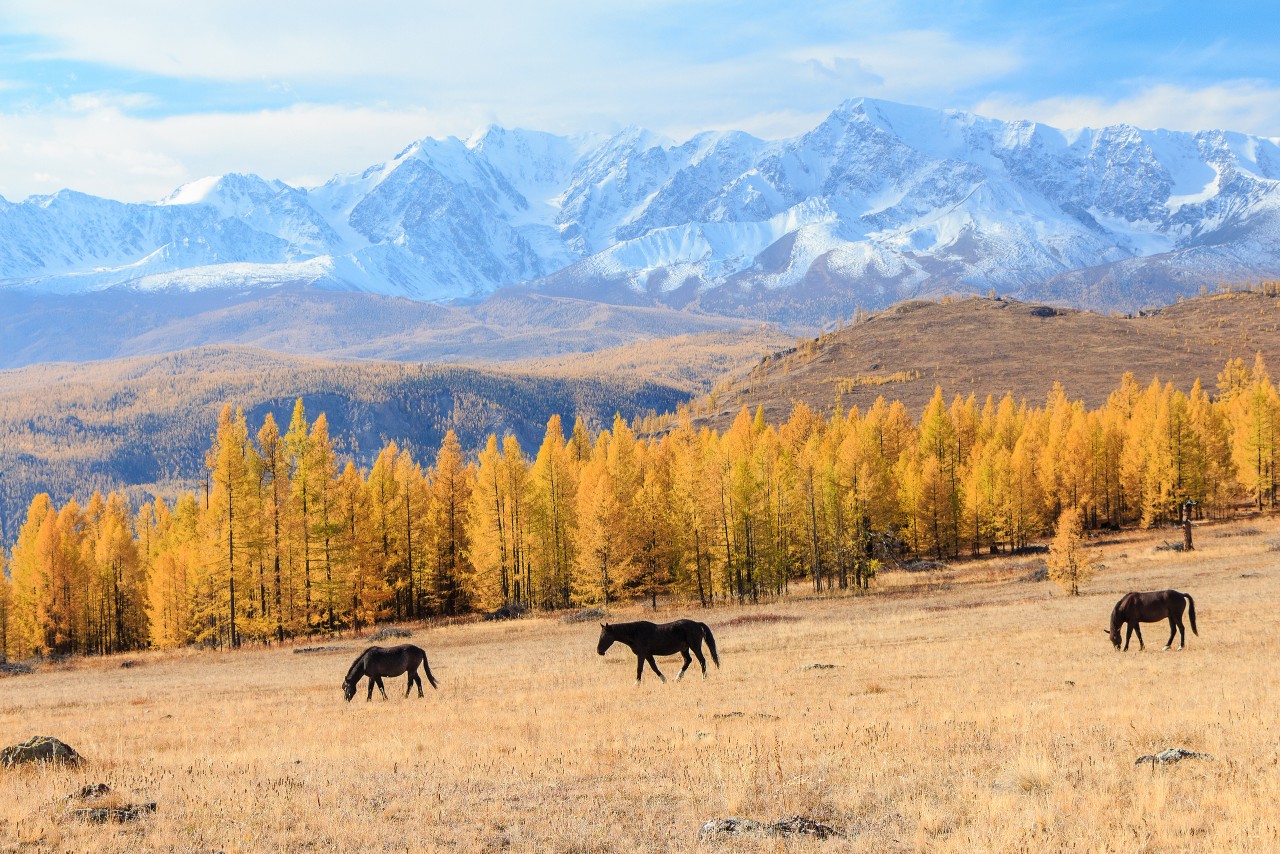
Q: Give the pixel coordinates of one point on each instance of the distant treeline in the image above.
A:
(71, 429)
(285, 539)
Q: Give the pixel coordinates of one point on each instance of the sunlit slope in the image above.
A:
(992, 346)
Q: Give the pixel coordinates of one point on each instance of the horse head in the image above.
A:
(606, 639)
(352, 680)
(1115, 636)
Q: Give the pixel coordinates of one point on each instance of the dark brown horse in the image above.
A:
(1135, 608)
(377, 661)
(648, 639)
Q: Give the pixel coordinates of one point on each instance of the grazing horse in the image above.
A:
(1134, 608)
(378, 661)
(648, 639)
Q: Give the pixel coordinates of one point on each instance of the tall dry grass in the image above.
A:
(969, 710)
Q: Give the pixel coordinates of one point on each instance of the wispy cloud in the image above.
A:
(913, 62)
(1249, 106)
(111, 153)
(132, 97)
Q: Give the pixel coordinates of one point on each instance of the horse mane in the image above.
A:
(625, 631)
(1119, 607)
(357, 667)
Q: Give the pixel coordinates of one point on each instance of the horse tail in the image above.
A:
(1191, 612)
(711, 642)
(426, 668)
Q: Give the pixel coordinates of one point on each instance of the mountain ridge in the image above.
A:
(877, 203)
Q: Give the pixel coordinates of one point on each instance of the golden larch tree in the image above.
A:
(1070, 564)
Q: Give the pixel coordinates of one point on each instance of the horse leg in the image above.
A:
(697, 650)
(1128, 635)
(639, 667)
(380, 687)
(1138, 630)
(1182, 640)
(1173, 631)
(370, 697)
(654, 665)
(688, 659)
(417, 678)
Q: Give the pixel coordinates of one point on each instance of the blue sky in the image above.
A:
(130, 99)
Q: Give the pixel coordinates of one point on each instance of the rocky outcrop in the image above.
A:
(41, 748)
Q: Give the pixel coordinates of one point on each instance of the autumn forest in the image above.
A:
(285, 539)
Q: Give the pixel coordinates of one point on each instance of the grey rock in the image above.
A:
(41, 748)
(90, 790)
(796, 825)
(121, 814)
(1170, 756)
(586, 615)
(509, 611)
(387, 632)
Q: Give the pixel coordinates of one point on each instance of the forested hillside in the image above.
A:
(143, 424)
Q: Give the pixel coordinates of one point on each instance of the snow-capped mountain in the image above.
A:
(878, 202)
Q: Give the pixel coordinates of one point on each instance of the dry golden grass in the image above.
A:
(969, 710)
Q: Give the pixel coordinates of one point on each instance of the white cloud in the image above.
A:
(106, 152)
(1241, 105)
(910, 63)
(370, 77)
(247, 40)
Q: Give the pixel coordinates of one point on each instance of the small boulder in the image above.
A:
(1170, 756)
(41, 748)
(731, 826)
(120, 814)
(796, 825)
(388, 632)
(90, 790)
(586, 615)
(509, 611)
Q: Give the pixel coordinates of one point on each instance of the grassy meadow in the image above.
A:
(969, 709)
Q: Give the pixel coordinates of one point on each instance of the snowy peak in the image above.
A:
(878, 202)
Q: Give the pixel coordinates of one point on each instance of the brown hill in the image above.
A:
(992, 346)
